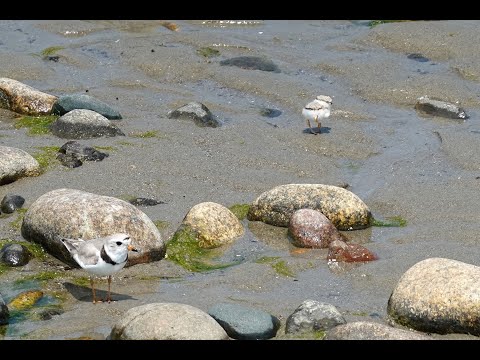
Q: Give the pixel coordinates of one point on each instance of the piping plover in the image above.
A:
(317, 110)
(102, 256)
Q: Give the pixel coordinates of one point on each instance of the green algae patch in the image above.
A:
(36, 125)
(146, 134)
(267, 259)
(240, 210)
(161, 225)
(51, 50)
(4, 268)
(392, 221)
(17, 223)
(125, 143)
(41, 276)
(374, 23)
(184, 250)
(280, 266)
(208, 52)
(46, 156)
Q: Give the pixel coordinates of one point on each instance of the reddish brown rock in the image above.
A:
(309, 228)
(341, 251)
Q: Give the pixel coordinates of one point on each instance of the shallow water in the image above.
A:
(399, 163)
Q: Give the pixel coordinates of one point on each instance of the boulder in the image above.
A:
(70, 213)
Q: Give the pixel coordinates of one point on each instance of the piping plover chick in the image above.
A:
(317, 110)
(101, 257)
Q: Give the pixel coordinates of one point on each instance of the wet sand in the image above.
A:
(422, 169)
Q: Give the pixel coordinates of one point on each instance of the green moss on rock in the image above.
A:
(36, 125)
(240, 210)
(184, 250)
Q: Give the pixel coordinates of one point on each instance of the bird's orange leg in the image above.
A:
(93, 290)
(319, 125)
(310, 127)
(109, 299)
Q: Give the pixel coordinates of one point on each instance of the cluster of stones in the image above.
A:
(436, 295)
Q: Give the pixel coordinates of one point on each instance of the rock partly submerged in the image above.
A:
(72, 213)
(309, 228)
(15, 164)
(440, 108)
(342, 207)
(214, 224)
(24, 99)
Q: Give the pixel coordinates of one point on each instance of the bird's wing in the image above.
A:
(82, 251)
(88, 254)
(72, 245)
(316, 105)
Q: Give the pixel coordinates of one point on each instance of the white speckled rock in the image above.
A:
(167, 321)
(342, 207)
(15, 164)
(438, 295)
(214, 224)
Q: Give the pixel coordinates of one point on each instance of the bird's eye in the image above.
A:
(119, 243)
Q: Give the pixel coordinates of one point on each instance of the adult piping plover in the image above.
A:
(317, 110)
(102, 256)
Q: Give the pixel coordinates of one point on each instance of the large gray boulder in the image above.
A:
(15, 164)
(342, 207)
(24, 99)
(71, 213)
(438, 295)
(167, 321)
